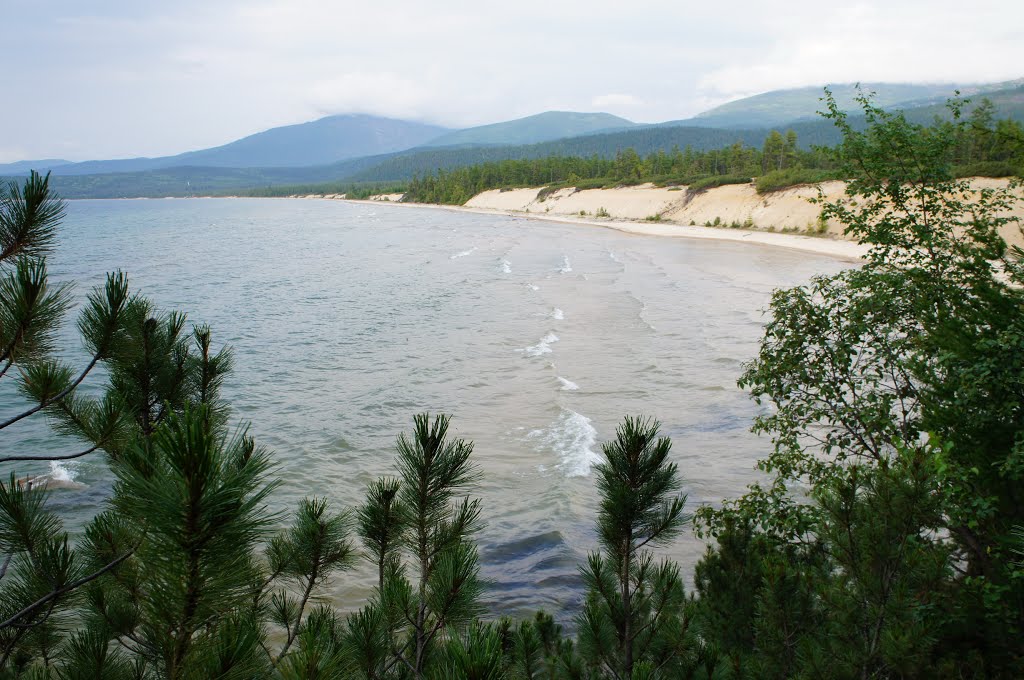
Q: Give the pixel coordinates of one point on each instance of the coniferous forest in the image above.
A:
(886, 540)
(984, 147)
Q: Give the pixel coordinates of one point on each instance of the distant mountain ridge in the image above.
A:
(342, 137)
(20, 167)
(781, 107)
(542, 127)
(582, 134)
(320, 142)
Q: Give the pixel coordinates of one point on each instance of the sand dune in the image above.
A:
(736, 205)
(736, 212)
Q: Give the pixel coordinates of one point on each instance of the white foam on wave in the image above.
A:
(542, 347)
(62, 472)
(567, 385)
(572, 438)
(566, 265)
(533, 287)
(464, 253)
(506, 267)
(557, 314)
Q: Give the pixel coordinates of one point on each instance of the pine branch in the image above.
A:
(293, 633)
(29, 217)
(65, 589)
(72, 456)
(60, 395)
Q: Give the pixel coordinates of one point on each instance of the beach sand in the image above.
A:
(628, 207)
(736, 212)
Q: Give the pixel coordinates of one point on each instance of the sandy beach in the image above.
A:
(783, 219)
(627, 202)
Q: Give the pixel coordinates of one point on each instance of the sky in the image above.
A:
(113, 79)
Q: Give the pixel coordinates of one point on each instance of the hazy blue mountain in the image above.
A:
(592, 136)
(323, 141)
(778, 107)
(22, 167)
(1009, 103)
(400, 166)
(1003, 94)
(539, 128)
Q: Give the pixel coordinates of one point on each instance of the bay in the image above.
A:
(347, 319)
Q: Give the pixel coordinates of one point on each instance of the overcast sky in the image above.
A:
(108, 79)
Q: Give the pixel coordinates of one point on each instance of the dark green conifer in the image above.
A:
(633, 623)
(419, 535)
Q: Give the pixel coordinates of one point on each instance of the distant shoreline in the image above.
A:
(839, 249)
(849, 251)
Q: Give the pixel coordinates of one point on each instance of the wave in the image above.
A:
(566, 266)
(557, 314)
(506, 267)
(534, 287)
(63, 472)
(567, 385)
(572, 438)
(464, 253)
(542, 347)
(60, 476)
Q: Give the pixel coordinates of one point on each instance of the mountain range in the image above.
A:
(365, 148)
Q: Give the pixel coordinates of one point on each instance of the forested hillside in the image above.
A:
(985, 147)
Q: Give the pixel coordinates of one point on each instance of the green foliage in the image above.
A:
(775, 180)
(29, 216)
(168, 581)
(201, 501)
(890, 416)
(634, 612)
(705, 183)
(29, 311)
(419, 535)
(989, 169)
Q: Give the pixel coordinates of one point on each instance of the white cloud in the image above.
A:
(898, 42)
(386, 93)
(138, 78)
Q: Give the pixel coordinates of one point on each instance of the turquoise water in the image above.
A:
(347, 319)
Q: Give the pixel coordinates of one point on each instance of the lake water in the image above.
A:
(347, 319)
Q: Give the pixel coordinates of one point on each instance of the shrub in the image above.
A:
(595, 183)
(988, 169)
(705, 183)
(777, 180)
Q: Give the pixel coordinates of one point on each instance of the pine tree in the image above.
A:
(41, 574)
(633, 623)
(169, 581)
(419, 536)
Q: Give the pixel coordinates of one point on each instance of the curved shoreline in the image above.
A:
(839, 249)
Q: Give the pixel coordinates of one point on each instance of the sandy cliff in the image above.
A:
(738, 205)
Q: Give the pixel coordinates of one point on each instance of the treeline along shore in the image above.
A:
(774, 187)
